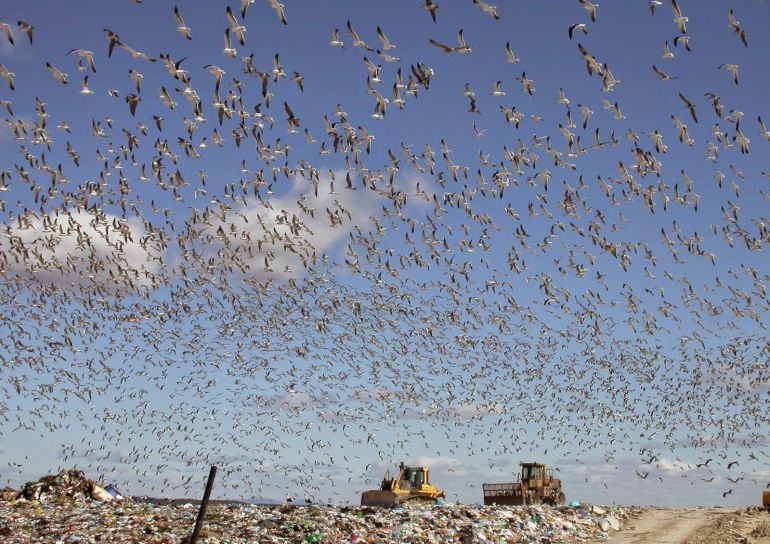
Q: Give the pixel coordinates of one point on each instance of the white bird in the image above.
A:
(357, 42)
(8, 76)
(590, 8)
(497, 90)
(733, 69)
(431, 8)
(763, 130)
(386, 45)
(488, 9)
(335, 41)
(228, 49)
(662, 75)
(237, 29)
(6, 28)
(84, 87)
(85, 56)
(183, 29)
(279, 11)
(462, 47)
(679, 19)
(245, 6)
(735, 25)
(509, 55)
(577, 26)
(57, 74)
(667, 54)
(136, 77)
(526, 84)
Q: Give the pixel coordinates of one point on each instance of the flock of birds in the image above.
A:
(565, 289)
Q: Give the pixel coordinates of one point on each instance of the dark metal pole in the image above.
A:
(204, 504)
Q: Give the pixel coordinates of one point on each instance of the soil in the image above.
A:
(703, 525)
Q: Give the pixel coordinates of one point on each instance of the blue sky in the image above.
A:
(443, 286)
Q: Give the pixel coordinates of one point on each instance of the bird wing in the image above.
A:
(445, 47)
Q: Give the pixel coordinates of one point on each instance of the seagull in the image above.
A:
(486, 8)
(6, 28)
(509, 55)
(586, 113)
(335, 41)
(735, 25)
(8, 76)
(279, 11)
(387, 57)
(690, 106)
(292, 119)
(763, 130)
(685, 42)
(462, 47)
(114, 40)
(217, 72)
(667, 54)
(654, 4)
(431, 8)
(679, 19)
(526, 83)
(84, 87)
(136, 54)
(26, 28)
(133, 101)
(386, 45)
(237, 29)
(590, 8)
(662, 75)
(277, 71)
(497, 90)
(228, 49)
(86, 56)
(57, 74)
(183, 29)
(577, 26)
(297, 78)
(592, 65)
(374, 71)
(733, 69)
(357, 42)
(245, 6)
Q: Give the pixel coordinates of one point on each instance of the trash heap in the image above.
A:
(65, 487)
(81, 518)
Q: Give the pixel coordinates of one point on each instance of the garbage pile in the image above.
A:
(82, 521)
(66, 486)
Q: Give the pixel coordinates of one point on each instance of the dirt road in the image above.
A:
(704, 525)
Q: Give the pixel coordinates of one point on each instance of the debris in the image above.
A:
(128, 521)
(66, 486)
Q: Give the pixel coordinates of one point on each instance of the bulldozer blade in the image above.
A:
(379, 498)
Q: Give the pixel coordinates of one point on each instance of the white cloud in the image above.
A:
(79, 247)
(275, 236)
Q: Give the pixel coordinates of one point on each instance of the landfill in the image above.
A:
(67, 508)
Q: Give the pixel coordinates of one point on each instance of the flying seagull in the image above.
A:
(279, 11)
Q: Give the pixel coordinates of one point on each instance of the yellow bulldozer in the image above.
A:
(536, 485)
(411, 484)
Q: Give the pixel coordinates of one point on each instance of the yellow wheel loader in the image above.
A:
(411, 484)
